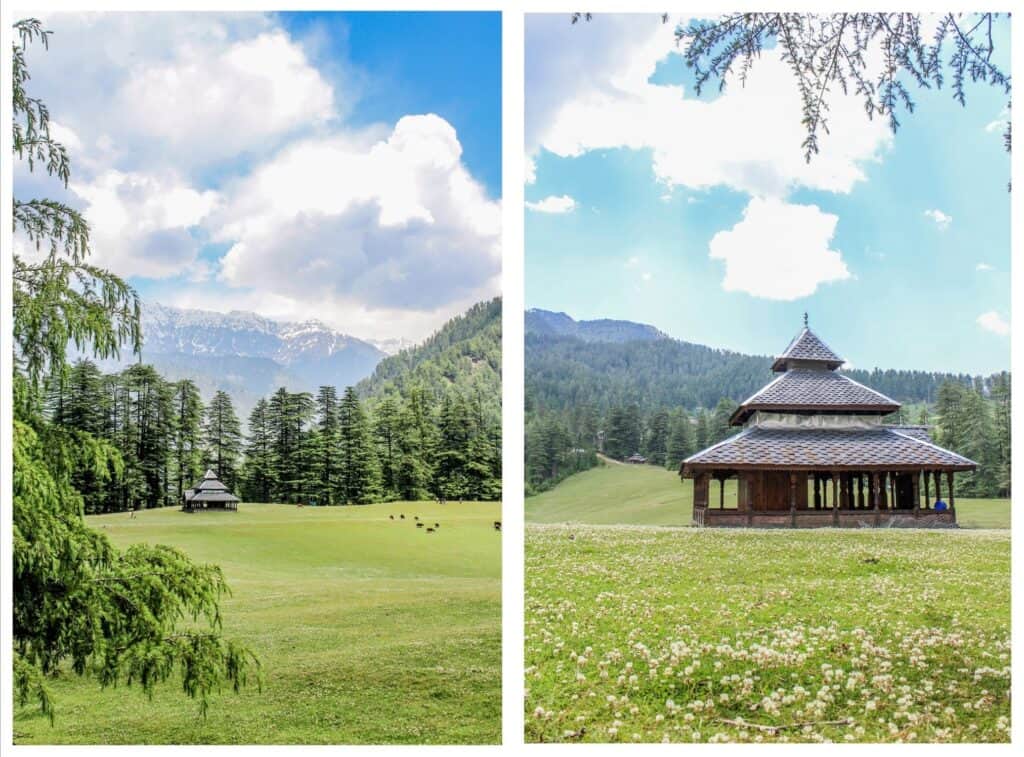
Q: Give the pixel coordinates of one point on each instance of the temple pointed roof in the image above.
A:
(210, 489)
(807, 347)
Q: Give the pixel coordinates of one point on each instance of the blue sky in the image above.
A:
(339, 166)
(684, 214)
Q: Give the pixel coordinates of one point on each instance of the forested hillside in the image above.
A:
(666, 399)
(464, 357)
(431, 430)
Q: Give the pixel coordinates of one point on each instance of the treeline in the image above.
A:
(971, 418)
(298, 447)
(565, 372)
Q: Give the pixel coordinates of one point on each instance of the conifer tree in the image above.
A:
(359, 482)
(79, 604)
(188, 428)
(326, 443)
(222, 436)
(259, 482)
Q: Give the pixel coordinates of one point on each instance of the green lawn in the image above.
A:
(369, 630)
(644, 495)
(665, 634)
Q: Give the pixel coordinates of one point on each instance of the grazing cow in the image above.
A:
(419, 525)
(437, 525)
(402, 516)
(497, 525)
(416, 517)
(392, 517)
(430, 530)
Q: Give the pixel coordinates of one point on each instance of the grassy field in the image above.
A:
(369, 630)
(668, 634)
(643, 495)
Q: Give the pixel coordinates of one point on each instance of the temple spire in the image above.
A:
(805, 319)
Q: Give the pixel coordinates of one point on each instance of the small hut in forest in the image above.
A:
(813, 451)
(636, 459)
(209, 494)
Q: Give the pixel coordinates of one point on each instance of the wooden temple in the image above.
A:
(814, 452)
(209, 494)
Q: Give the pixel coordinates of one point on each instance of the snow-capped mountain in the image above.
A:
(249, 355)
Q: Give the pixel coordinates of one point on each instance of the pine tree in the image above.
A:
(326, 443)
(386, 431)
(681, 441)
(79, 605)
(259, 481)
(188, 429)
(359, 482)
(416, 444)
(656, 446)
(222, 435)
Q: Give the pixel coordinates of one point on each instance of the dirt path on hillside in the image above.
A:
(609, 460)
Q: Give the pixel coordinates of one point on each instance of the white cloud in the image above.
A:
(176, 90)
(992, 321)
(143, 224)
(552, 204)
(237, 96)
(693, 142)
(942, 221)
(983, 267)
(364, 221)
(530, 168)
(779, 251)
(633, 261)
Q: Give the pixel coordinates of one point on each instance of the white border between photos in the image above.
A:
(512, 328)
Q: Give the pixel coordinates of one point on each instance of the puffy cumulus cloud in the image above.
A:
(366, 221)
(143, 224)
(994, 322)
(779, 251)
(236, 97)
(941, 219)
(553, 204)
(175, 89)
(749, 138)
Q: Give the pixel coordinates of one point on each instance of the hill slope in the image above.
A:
(464, 355)
(569, 363)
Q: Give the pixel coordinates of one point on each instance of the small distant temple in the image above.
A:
(636, 459)
(814, 452)
(209, 494)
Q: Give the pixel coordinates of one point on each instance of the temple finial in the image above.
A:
(805, 319)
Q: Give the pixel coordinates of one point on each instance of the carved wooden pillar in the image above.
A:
(938, 485)
(860, 491)
(721, 492)
(915, 479)
(927, 501)
(817, 492)
(952, 496)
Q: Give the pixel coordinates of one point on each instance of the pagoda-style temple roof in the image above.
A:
(209, 489)
(809, 348)
(869, 448)
(815, 390)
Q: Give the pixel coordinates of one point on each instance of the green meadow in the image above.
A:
(369, 630)
(637, 632)
(643, 495)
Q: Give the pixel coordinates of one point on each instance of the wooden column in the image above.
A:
(835, 501)
(875, 494)
(917, 493)
(817, 492)
(792, 499)
(721, 493)
(952, 496)
(860, 491)
(927, 501)
(938, 485)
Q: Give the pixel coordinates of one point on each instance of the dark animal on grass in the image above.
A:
(430, 530)
(416, 517)
(497, 525)
(392, 517)
(419, 525)
(437, 525)
(402, 516)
